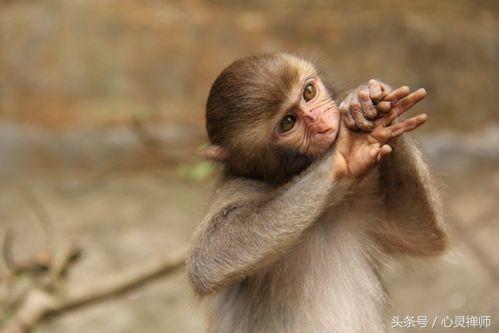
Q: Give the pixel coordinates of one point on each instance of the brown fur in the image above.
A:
(251, 91)
(305, 255)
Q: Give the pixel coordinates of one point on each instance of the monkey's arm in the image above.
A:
(413, 206)
(245, 229)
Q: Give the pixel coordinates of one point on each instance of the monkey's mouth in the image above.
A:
(325, 137)
(326, 131)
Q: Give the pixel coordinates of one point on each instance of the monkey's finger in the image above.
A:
(384, 106)
(368, 109)
(374, 152)
(405, 104)
(385, 150)
(344, 106)
(371, 156)
(375, 90)
(347, 117)
(349, 122)
(385, 90)
(344, 137)
(361, 122)
(407, 125)
(397, 94)
(381, 134)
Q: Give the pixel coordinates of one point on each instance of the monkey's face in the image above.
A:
(269, 117)
(309, 121)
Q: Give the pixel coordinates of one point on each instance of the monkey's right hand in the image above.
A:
(356, 153)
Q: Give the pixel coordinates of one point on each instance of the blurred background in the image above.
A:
(102, 115)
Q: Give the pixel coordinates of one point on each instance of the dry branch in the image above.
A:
(37, 264)
(42, 304)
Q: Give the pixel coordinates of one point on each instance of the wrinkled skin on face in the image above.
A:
(316, 122)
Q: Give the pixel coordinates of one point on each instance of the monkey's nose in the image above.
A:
(311, 116)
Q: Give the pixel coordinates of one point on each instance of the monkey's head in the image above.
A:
(269, 116)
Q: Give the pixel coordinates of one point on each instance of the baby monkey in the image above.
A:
(314, 199)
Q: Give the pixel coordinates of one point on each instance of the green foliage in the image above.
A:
(197, 172)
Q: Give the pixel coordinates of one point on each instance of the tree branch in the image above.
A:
(41, 305)
(121, 283)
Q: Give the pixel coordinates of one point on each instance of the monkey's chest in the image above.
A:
(326, 283)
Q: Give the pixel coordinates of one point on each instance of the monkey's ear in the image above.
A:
(215, 153)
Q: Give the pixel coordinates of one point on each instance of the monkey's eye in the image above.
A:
(309, 92)
(287, 123)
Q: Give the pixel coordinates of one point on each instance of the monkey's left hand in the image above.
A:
(364, 104)
(357, 153)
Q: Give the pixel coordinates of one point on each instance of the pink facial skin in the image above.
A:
(316, 122)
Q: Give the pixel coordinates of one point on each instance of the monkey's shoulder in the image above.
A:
(234, 189)
(232, 185)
